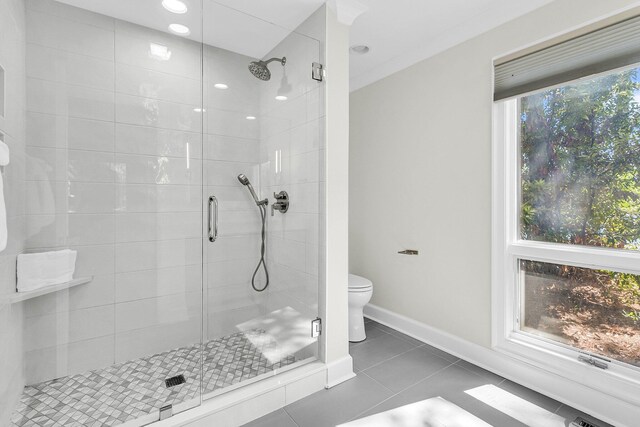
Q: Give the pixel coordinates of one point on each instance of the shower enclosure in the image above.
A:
(127, 146)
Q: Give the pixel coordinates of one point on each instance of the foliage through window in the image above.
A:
(580, 154)
(580, 186)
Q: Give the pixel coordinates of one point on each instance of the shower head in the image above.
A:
(260, 68)
(245, 181)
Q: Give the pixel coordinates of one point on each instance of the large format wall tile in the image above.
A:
(47, 63)
(133, 80)
(52, 131)
(153, 198)
(70, 358)
(74, 14)
(51, 330)
(132, 47)
(157, 254)
(12, 129)
(138, 285)
(49, 97)
(132, 139)
(56, 32)
(144, 111)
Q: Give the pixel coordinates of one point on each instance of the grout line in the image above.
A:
(404, 389)
(284, 408)
(374, 380)
(393, 357)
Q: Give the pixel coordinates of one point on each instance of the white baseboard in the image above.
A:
(579, 396)
(339, 371)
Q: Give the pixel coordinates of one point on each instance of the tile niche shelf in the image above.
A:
(23, 296)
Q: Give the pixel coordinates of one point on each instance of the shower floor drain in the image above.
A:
(579, 422)
(174, 381)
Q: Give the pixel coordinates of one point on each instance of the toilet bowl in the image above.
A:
(360, 291)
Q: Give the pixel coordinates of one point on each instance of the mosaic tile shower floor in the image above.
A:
(129, 390)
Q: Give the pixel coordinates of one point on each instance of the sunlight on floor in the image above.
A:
(516, 407)
(287, 328)
(434, 412)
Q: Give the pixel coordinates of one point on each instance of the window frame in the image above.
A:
(620, 380)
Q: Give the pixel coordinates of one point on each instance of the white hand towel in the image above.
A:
(4, 161)
(43, 269)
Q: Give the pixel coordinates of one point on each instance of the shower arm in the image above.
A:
(282, 60)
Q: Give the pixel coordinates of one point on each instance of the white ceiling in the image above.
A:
(398, 32)
(401, 33)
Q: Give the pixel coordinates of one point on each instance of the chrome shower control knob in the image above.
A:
(282, 202)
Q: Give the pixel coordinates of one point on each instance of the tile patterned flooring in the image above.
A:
(394, 370)
(129, 390)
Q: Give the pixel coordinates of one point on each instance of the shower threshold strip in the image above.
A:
(136, 389)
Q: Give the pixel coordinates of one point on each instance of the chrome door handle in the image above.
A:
(213, 223)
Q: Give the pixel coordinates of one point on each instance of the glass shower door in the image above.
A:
(263, 163)
(113, 151)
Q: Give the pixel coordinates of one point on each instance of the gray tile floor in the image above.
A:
(395, 370)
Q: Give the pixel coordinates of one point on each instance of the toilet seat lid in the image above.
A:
(358, 282)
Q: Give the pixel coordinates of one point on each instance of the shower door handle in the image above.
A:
(213, 222)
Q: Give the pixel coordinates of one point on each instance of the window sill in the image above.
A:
(620, 382)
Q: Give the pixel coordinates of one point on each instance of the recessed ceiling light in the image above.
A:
(251, 117)
(360, 49)
(180, 29)
(220, 86)
(200, 110)
(174, 6)
(281, 98)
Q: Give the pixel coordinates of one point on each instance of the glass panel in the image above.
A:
(269, 129)
(593, 310)
(580, 162)
(113, 172)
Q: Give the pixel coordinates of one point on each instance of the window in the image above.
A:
(579, 185)
(566, 220)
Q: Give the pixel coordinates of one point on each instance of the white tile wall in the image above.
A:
(116, 164)
(12, 129)
(231, 148)
(292, 159)
(113, 171)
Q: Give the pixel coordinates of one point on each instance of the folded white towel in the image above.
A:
(43, 269)
(4, 161)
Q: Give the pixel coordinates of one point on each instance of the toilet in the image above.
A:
(360, 291)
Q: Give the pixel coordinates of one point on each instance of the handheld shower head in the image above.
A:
(245, 181)
(260, 68)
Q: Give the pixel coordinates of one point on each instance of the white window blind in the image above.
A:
(612, 47)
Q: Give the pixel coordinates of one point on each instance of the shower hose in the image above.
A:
(263, 214)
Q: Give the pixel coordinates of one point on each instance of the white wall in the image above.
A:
(334, 298)
(420, 175)
(12, 127)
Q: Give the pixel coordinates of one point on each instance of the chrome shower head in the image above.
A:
(260, 68)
